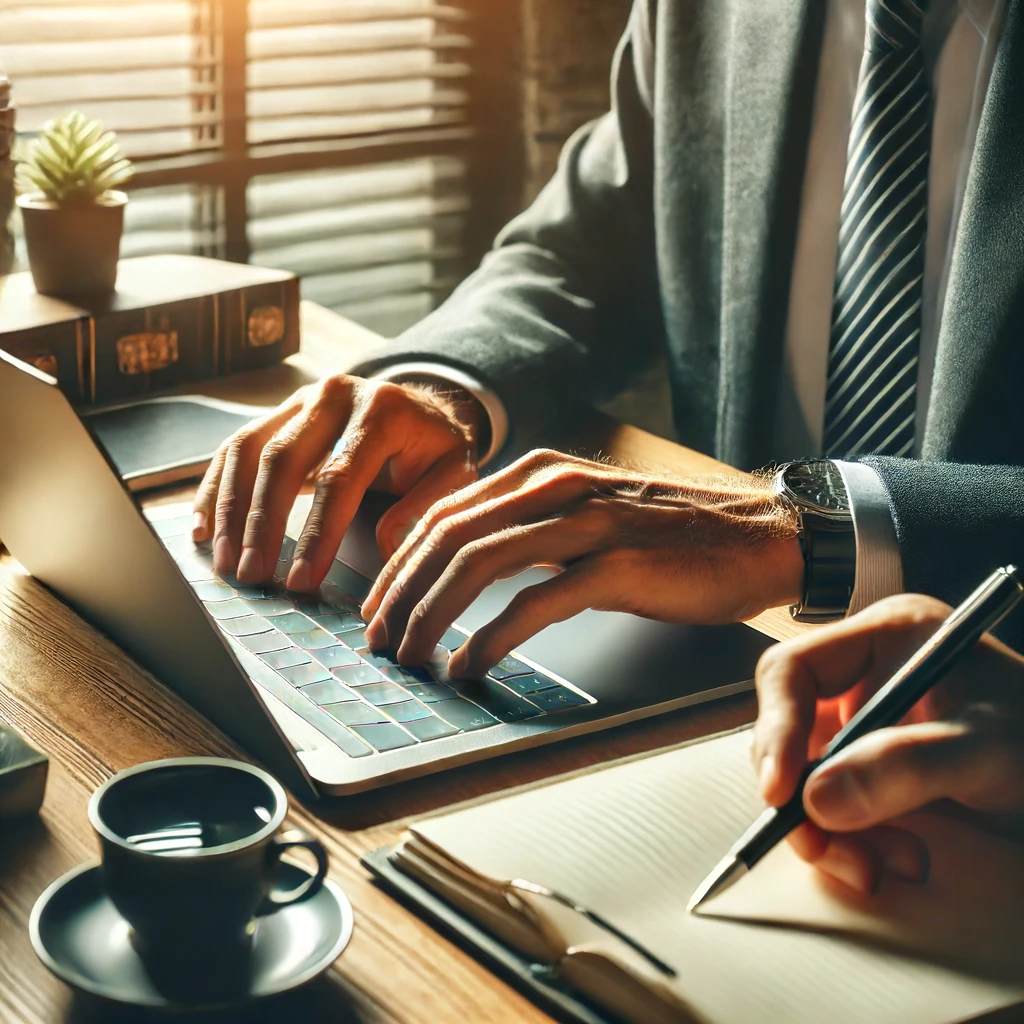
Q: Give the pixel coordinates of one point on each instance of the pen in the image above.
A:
(954, 638)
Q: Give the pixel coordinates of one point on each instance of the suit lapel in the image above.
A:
(982, 313)
(774, 50)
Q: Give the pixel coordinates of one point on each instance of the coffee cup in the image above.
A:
(190, 848)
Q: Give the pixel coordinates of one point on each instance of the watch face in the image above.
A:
(817, 485)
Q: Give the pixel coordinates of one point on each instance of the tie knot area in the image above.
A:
(895, 24)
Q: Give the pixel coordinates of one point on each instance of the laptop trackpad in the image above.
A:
(623, 659)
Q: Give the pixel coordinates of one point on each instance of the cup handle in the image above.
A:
(295, 837)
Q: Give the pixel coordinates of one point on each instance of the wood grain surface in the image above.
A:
(76, 696)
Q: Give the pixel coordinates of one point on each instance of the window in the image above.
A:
(332, 138)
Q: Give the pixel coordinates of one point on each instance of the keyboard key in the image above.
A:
(384, 737)
(287, 549)
(334, 601)
(387, 663)
(303, 675)
(194, 572)
(430, 693)
(232, 609)
(314, 640)
(258, 591)
(328, 692)
(348, 581)
(179, 547)
(529, 685)
(432, 728)
(408, 711)
(264, 643)
(354, 638)
(463, 715)
(292, 622)
(267, 605)
(180, 527)
(557, 698)
(286, 658)
(355, 713)
(338, 623)
(336, 657)
(508, 667)
(213, 590)
(246, 625)
(500, 702)
(359, 675)
(382, 693)
(349, 743)
(452, 640)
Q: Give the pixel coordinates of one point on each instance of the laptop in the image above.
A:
(289, 676)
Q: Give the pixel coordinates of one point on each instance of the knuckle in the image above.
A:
(387, 397)
(276, 456)
(336, 388)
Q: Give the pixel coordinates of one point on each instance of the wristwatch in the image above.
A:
(814, 489)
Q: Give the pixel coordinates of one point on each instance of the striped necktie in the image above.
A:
(871, 395)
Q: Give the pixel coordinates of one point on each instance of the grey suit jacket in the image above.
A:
(670, 226)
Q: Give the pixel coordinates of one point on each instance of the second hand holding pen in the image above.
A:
(956, 636)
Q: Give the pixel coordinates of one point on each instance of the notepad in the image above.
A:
(631, 842)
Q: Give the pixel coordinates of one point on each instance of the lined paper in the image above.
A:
(633, 841)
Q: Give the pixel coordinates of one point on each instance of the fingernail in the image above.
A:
(250, 565)
(834, 798)
(909, 866)
(848, 868)
(223, 554)
(376, 635)
(200, 526)
(300, 575)
(767, 774)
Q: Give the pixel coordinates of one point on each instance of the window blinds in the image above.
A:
(327, 137)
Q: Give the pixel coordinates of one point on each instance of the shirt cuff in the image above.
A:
(493, 405)
(879, 571)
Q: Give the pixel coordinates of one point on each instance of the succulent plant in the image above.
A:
(73, 162)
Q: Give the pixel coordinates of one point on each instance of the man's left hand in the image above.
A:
(713, 550)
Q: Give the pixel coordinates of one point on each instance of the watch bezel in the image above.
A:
(800, 502)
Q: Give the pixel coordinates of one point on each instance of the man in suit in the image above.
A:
(814, 210)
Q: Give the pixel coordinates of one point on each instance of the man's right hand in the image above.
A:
(362, 435)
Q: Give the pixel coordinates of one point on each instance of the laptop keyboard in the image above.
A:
(316, 644)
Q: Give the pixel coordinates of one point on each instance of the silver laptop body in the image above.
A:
(288, 676)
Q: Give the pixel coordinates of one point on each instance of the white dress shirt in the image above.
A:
(960, 38)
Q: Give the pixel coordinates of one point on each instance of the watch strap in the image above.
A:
(830, 565)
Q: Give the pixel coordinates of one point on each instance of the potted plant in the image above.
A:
(73, 215)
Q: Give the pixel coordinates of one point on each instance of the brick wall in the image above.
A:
(567, 53)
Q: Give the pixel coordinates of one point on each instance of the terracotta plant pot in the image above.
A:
(73, 250)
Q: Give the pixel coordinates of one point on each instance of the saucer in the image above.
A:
(79, 935)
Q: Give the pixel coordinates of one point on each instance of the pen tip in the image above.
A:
(727, 871)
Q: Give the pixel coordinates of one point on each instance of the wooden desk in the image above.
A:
(76, 696)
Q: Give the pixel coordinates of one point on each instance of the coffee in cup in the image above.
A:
(190, 848)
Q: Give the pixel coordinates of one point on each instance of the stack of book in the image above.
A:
(6, 175)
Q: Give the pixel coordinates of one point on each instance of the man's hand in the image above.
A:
(362, 434)
(964, 741)
(708, 551)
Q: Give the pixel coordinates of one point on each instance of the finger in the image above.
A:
(792, 677)
(234, 493)
(340, 486)
(476, 566)
(579, 587)
(206, 498)
(860, 860)
(286, 460)
(451, 472)
(460, 519)
(897, 770)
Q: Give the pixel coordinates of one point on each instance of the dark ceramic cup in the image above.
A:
(190, 848)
